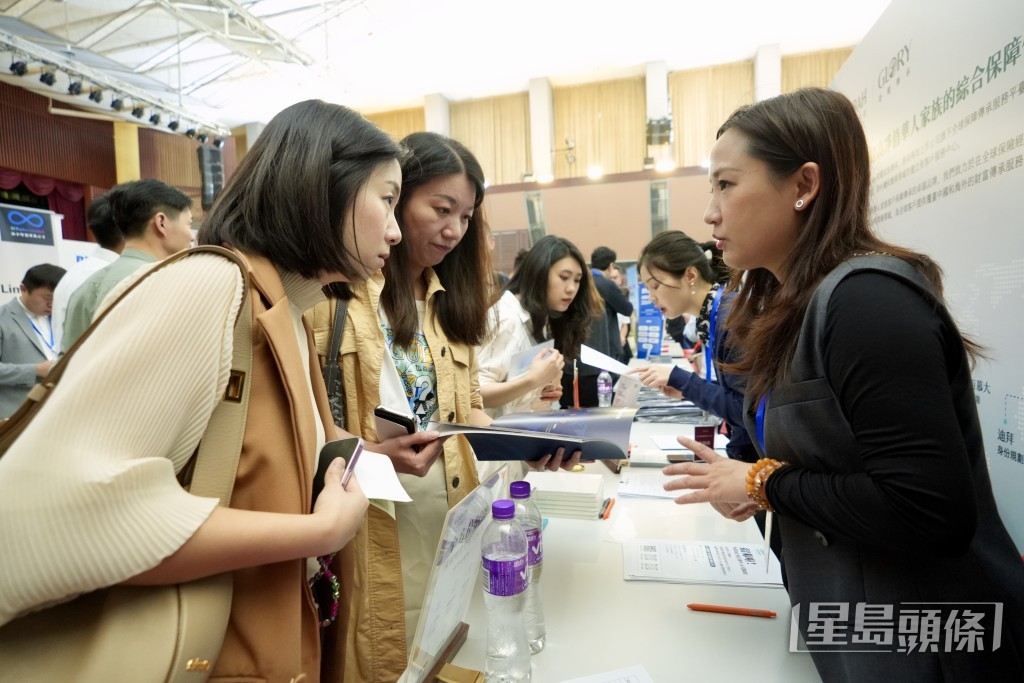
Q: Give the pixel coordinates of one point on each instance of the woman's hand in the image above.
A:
(739, 512)
(720, 480)
(655, 376)
(411, 453)
(556, 461)
(671, 392)
(341, 509)
(546, 367)
(551, 392)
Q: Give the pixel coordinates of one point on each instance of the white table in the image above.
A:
(598, 622)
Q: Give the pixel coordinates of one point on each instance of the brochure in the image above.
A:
(600, 433)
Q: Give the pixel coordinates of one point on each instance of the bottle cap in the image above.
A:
(503, 509)
(519, 489)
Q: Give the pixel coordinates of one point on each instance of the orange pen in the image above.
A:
(575, 386)
(608, 510)
(742, 611)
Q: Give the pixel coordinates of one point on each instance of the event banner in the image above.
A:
(939, 85)
(28, 237)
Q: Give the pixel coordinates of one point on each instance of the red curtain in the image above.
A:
(64, 198)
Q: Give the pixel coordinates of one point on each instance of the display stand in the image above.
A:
(441, 629)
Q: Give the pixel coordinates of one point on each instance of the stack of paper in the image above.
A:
(646, 484)
(732, 564)
(567, 494)
(668, 442)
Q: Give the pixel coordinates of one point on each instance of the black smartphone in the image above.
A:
(349, 448)
(391, 423)
(679, 456)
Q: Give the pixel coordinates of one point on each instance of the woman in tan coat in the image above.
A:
(312, 203)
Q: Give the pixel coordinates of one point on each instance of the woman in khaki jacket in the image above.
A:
(409, 344)
(93, 476)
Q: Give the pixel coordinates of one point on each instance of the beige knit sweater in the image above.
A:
(88, 495)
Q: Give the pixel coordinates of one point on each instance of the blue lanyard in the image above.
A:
(709, 348)
(761, 407)
(49, 344)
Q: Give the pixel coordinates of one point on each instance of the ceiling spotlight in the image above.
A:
(155, 119)
(138, 112)
(96, 95)
(190, 133)
(19, 68)
(75, 88)
(117, 104)
(218, 143)
(173, 125)
(203, 137)
(47, 77)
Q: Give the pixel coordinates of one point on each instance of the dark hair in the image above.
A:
(723, 273)
(465, 271)
(100, 220)
(673, 252)
(530, 282)
(133, 204)
(44, 275)
(518, 260)
(602, 257)
(785, 132)
(288, 199)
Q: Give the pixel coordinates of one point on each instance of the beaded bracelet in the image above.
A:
(329, 576)
(757, 476)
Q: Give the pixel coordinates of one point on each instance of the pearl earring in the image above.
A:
(799, 203)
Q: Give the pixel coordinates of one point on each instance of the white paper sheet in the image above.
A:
(520, 362)
(627, 392)
(647, 483)
(739, 564)
(668, 442)
(647, 457)
(594, 357)
(378, 479)
(632, 674)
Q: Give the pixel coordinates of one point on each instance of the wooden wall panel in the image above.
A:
(170, 158)
(34, 141)
(173, 159)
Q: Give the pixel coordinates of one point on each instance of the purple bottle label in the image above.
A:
(535, 549)
(505, 577)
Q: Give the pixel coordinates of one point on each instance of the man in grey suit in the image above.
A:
(27, 344)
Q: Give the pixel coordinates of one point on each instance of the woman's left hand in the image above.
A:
(551, 392)
(556, 461)
(718, 479)
(655, 376)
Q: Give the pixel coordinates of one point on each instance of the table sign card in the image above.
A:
(453, 578)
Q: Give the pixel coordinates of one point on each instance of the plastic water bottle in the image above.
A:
(604, 389)
(529, 518)
(505, 578)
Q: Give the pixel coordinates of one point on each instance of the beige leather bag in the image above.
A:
(159, 634)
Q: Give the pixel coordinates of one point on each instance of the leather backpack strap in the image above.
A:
(331, 370)
(217, 459)
(205, 605)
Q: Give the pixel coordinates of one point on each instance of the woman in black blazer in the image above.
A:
(899, 566)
